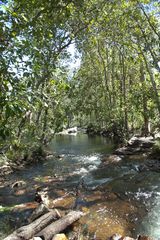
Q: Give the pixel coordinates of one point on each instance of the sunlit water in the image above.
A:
(80, 157)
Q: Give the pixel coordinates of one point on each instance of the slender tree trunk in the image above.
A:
(123, 68)
(145, 110)
(150, 49)
(154, 86)
(105, 74)
(148, 20)
(113, 76)
(43, 138)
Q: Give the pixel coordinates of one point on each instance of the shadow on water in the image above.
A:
(116, 197)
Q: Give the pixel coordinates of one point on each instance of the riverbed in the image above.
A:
(116, 197)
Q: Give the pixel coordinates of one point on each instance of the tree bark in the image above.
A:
(149, 70)
(148, 19)
(124, 92)
(105, 73)
(145, 109)
(38, 212)
(58, 226)
(28, 231)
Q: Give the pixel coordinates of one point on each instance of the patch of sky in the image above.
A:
(73, 61)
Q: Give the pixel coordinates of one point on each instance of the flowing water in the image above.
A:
(116, 196)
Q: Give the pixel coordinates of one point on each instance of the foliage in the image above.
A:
(116, 86)
(156, 148)
(33, 83)
(118, 80)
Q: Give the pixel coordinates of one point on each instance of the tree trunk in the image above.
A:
(123, 69)
(149, 20)
(28, 231)
(154, 86)
(39, 211)
(58, 226)
(105, 74)
(113, 77)
(145, 110)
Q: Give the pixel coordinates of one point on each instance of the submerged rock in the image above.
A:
(112, 159)
(18, 184)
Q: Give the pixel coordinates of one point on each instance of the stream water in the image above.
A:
(117, 197)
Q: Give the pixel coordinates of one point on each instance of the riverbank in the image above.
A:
(8, 166)
(140, 148)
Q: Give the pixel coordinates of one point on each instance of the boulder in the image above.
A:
(61, 236)
(72, 130)
(126, 151)
(136, 145)
(145, 142)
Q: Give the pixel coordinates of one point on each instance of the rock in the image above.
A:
(20, 192)
(136, 145)
(150, 165)
(60, 236)
(128, 238)
(51, 155)
(157, 135)
(111, 196)
(112, 159)
(125, 151)
(72, 130)
(6, 169)
(36, 238)
(61, 156)
(116, 237)
(144, 238)
(18, 184)
(141, 141)
(42, 197)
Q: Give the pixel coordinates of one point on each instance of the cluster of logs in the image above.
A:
(45, 223)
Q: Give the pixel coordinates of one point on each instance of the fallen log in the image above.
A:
(28, 231)
(38, 212)
(58, 226)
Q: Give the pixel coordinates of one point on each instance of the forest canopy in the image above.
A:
(117, 85)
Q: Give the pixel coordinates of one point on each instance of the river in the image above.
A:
(118, 198)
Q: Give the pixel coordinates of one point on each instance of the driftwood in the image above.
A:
(48, 232)
(39, 211)
(28, 231)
